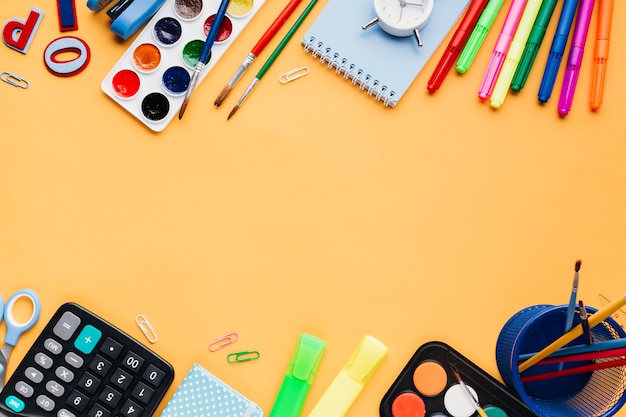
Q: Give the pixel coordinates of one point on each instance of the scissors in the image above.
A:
(15, 328)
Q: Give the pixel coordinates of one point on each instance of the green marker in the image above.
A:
(533, 44)
(478, 35)
(299, 377)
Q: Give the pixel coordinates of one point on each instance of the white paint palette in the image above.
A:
(151, 78)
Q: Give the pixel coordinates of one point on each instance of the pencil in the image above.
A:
(258, 48)
(204, 54)
(266, 66)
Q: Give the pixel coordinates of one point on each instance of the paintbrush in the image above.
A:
(569, 317)
(584, 321)
(469, 393)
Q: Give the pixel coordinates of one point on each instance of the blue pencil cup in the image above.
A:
(591, 394)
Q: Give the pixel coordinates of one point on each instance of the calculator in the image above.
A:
(82, 366)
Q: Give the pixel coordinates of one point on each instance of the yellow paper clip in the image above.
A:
(248, 355)
(222, 341)
(14, 80)
(146, 328)
(292, 75)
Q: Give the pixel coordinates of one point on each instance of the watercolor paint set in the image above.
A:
(428, 386)
(151, 78)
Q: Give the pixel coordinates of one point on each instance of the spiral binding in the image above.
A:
(365, 81)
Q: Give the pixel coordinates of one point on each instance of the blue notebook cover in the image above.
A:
(381, 64)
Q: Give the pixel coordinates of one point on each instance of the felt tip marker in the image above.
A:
(535, 39)
(575, 57)
(601, 52)
(478, 35)
(557, 49)
(458, 41)
(501, 49)
(511, 62)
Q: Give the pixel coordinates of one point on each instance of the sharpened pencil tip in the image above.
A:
(222, 96)
(233, 111)
(182, 109)
(577, 265)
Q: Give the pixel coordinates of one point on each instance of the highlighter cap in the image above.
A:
(365, 359)
(306, 358)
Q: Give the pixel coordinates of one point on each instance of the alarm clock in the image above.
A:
(402, 18)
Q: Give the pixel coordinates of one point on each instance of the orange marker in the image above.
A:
(601, 52)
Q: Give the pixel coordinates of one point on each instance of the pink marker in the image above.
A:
(501, 49)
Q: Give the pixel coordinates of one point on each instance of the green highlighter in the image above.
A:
(299, 377)
(476, 39)
(533, 44)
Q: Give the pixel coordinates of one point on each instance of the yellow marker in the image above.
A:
(501, 89)
(349, 382)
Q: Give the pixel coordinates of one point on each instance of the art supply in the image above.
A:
(18, 34)
(293, 75)
(575, 58)
(535, 39)
(128, 16)
(619, 315)
(151, 78)
(81, 365)
(599, 393)
(571, 306)
(575, 371)
(382, 65)
(601, 52)
(146, 328)
(503, 83)
(476, 39)
(272, 58)
(245, 356)
(14, 327)
(67, 15)
(14, 80)
(597, 347)
(501, 48)
(67, 44)
(587, 356)
(205, 395)
(299, 376)
(427, 386)
(559, 42)
(458, 41)
(204, 54)
(258, 48)
(223, 341)
(349, 382)
(471, 395)
(584, 322)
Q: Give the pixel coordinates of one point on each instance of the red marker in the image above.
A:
(456, 44)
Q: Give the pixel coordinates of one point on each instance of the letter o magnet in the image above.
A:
(67, 45)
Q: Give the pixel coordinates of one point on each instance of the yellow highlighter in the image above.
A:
(349, 382)
(501, 89)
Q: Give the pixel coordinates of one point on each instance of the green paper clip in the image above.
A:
(245, 356)
(299, 377)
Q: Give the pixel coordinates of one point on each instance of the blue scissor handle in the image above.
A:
(15, 328)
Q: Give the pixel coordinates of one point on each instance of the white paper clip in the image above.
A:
(292, 75)
(14, 80)
(222, 341)
(146, 328)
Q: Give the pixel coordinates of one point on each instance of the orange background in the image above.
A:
(315, 209)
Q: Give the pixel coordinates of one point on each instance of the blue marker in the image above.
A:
(557, 49)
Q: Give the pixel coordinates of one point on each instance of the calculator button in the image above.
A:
(66, 326)
(110, 396)
(121, 379)
(53, 346)
(63, 412)
(77, 400)
(111, 348)
(154, 375)
(24, 389)
(89, 383)
(64, 374)
(74, 360)
(45, 402)
(142, 392)
(133, 361)
(98, 411)
(43, 360)
(33, 374)
(55, 388)
(14, 403)
(87, 339)
(100, 365)
(131, 409)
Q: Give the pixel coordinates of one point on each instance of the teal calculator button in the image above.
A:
(14, 403)
(87, 339)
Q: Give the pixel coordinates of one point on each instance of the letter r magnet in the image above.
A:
(18, 34)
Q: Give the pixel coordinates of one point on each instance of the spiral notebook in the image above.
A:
(381, 64)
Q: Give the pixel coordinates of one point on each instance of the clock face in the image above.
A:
(402, 17)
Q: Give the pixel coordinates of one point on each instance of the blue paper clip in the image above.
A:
(248, 355)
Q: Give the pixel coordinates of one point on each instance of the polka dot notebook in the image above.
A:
(202, 394)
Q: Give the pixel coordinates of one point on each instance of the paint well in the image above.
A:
(146, 57)
(188, 9)
(192, 51)
(458, 403)
(167, 31)
(408, 404)
(176, 80)
(155, 106)
(125, 83)
(493, 411)
(430, 378)
(226, 29)
(239, 8)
